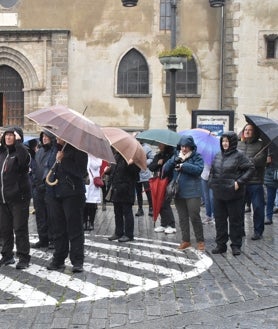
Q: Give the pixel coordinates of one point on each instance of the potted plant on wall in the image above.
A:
(173, 59)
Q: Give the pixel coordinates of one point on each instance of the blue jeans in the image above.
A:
(256, 194)
(271, 195)
(208, 198)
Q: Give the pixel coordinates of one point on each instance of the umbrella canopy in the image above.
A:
(207, 144)
(158, 189)
(157, 136)
(268, 128)
(74, 129)
(126, 145)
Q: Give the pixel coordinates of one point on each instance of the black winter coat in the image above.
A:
(123, 178)
(252, 149)
(70, 173)
(14, 165)
(165, 156)
(229, 167)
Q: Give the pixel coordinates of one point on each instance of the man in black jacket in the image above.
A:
(14, 197)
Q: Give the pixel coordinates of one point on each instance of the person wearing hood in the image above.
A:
(230, 172)
(187, 165)
(15, 197)
(255, 150)
(48, 146)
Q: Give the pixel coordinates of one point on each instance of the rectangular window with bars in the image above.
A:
(165, 15)
(271, 46)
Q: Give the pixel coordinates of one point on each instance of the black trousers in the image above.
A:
(166, 214)
(228, 221)
(139, 191)
(124, 219)
(14, 222)
(42, 221)
(66, 215)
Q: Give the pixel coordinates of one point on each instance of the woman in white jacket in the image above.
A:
(93, 192)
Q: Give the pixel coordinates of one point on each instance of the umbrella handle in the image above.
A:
(47, 179)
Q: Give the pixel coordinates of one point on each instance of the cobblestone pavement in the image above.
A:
(146, 284)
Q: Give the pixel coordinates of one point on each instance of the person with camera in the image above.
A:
(188, 164)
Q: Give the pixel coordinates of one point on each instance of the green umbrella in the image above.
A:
(157, 136)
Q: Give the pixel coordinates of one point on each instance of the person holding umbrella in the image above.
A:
(255, 150)
(229, 173)
(187, 165)
(66, 198)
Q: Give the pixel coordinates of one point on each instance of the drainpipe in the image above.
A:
(221, 73)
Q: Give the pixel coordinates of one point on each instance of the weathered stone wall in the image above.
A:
(74, 58)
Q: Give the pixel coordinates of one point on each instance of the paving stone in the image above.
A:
(235, 292)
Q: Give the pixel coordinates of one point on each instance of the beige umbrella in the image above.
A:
(127, 145)
(75, 129)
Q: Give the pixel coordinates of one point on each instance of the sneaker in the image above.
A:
(54, 266)
(219, 250)
(170, 230)
(184, 245)
(201, 246)
(7, 261)
(160, 229)
(22, 264)
(125, 238)
(140, 212)
(268, 222)
(256, 237)
(113, 237)
(208, 220)
(77, 269)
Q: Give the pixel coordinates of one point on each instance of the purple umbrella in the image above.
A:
(207, 144)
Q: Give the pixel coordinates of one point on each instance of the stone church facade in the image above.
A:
(88, 54)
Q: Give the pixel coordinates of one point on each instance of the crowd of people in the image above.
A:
(67, 186)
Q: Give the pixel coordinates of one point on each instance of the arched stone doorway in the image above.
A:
(11, 97)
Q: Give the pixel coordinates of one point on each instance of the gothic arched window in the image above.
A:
(133, 74)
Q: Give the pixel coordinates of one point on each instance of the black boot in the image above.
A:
(140, 212)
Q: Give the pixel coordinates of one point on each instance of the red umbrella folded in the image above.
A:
(158, 189)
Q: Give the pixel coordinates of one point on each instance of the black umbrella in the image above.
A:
(267, 127)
